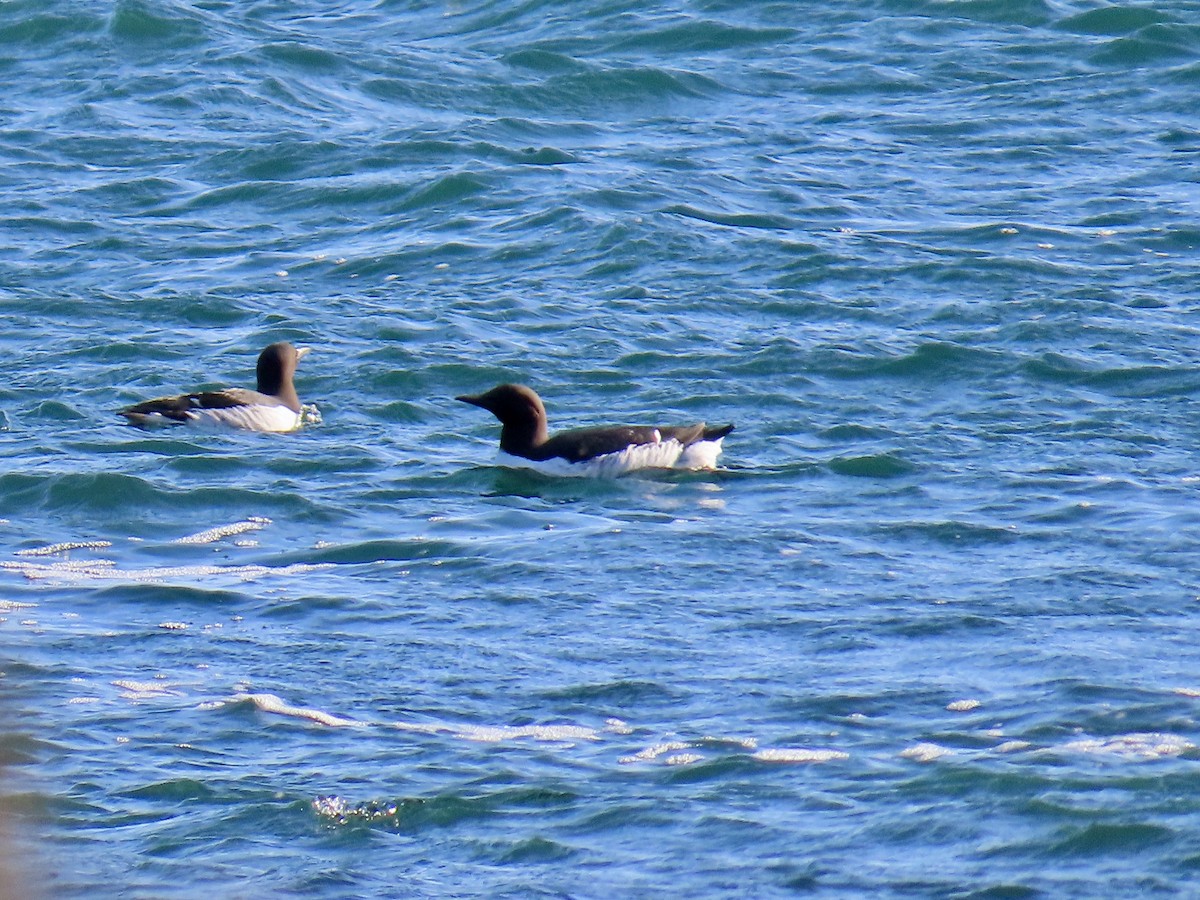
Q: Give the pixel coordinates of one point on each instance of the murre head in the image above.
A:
(519, 410)
(276, 367)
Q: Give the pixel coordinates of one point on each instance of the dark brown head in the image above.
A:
(520, 412)
(276, 368)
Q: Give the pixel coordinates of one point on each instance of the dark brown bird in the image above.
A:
(274, 406)
(605, 450)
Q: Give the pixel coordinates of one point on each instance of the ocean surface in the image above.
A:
(932, 628)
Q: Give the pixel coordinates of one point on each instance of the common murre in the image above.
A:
(274, 406)
(611, 450)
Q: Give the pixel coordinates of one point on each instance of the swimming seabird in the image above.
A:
(611, 450)
(274, 406)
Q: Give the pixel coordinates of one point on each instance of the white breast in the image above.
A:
(700, 455)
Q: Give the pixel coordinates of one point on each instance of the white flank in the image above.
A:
(247, 418)
(668, 454)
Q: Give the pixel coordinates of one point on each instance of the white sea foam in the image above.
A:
(496, 734)
(670, 753)
(963, 705)
(740, 743)
(925, 752)
(1136, 746)
(51, 549)
(675, 753)
(799, 755)
(652, 753)
(145, 690)
(210, 535)
(562, 733)
(493, 734)
(1012, 746)
(106, 570)
(270, 703)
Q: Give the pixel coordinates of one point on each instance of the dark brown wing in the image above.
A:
(178, 409)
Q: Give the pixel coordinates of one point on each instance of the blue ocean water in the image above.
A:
(929, 631)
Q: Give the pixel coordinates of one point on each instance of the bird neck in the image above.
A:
(522, 438)
(273, 384)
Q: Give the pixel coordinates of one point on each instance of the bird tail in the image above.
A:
(715, 432)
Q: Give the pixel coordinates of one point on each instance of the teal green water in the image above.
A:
(929, 631)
